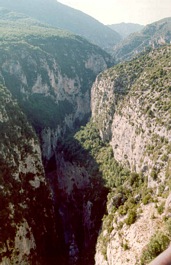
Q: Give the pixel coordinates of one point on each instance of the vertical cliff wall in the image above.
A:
(131, 105)
(27, 216)
(49, 74)
(51, 82)
(78, 191)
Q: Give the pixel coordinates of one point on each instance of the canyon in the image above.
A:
(85, 149)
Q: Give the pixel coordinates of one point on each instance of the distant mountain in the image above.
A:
(64, 17)
(62, 185)
(152, 36)
(125, 29)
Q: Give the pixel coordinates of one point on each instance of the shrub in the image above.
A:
(120, 225)
(136, 179)
(154, 174)
(146, 199)
(168, 225)
(122, 210)
(160, 208)
(169, 89)
(125, 245)
(158, 243)
(132, 216)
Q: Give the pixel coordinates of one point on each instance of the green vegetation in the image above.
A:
(12, 124)
(89, 138)
(16, 26)
(132, 216)
(146, 199)
(144, 80)
(44, 112)
(31, 54)
(45, 68)
(161, 207)
(158, 243)
(49, 73)
(147, 38)
(19, 200)
(53, 13)
(87, 148)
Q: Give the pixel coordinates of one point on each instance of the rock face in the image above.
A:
(126, 245)
(76, 199)
(131, 106)
(27, 214)
(49, 74)
(51, 211)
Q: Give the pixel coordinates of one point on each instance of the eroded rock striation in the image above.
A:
(46, 76)
(131, 106)
(27, 216)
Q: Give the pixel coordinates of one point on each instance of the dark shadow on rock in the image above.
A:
(79, 195)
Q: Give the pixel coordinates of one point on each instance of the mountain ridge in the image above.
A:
(152, 36)
(79, 23)
(125, 29)
(83, 186)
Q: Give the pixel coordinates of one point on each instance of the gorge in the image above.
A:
(85, 149)
(49, 84)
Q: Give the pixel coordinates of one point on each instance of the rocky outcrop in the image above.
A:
(22, 248)
(131, 105)
(50, 75)
(125, 245)
(76, 202)
(57, 218)
(27, 214)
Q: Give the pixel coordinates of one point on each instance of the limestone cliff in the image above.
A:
(131, 105)
(77, 196)
(26, 211)
(50, 73)
(124, 149)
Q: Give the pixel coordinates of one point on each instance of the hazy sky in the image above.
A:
(116, 11)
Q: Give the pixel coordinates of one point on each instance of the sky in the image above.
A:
(116, 11)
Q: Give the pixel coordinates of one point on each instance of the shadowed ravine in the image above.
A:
(79, 197)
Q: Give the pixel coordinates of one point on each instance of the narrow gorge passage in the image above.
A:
(79, 198)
